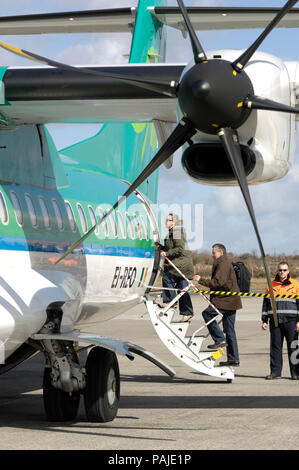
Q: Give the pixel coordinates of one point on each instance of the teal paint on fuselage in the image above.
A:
(118, 150)
(88, 190)
(89, 173)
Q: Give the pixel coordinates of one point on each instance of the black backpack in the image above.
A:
(243, 276)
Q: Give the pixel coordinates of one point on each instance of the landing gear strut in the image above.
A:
(59, 405)
(65, 380)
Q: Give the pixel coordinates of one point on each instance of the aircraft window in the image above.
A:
(17, 207)
(104, 224)
(130, 225)
(70, 215)
(82, 218)
(93, 219)
(31, 210)
(138, 227)
(144, 227)
(113, 224)
(121, 224)
(58, 214)
(45, 212)
(3, 210)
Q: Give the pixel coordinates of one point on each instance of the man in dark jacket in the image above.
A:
(223, 279)
(288, 322)
(176, 249)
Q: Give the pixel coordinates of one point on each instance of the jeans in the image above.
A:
(172, 281)
(229, 318)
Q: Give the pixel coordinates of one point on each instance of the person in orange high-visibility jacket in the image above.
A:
(288, 322)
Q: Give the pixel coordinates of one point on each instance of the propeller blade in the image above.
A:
(181, 134)
(255, 102)
(159, 86)
(230, 142)
(198, 52)
(240, 63)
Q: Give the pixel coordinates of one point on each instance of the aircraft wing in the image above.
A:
(116, 20)
(49, 95)
(43, 95)
(123, 19)
(220, 18)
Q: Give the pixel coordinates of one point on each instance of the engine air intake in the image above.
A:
(209, 161)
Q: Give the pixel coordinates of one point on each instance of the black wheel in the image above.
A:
(229, 381)
(59, 405)
(101, 396)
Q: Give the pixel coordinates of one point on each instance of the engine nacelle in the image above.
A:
(267, 138)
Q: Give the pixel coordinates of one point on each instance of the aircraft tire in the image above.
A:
(59, 405)
(102, 392)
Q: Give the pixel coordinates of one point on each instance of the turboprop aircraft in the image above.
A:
(77, 231)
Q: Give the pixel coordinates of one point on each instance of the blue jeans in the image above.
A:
(229, 318)
(171, 281)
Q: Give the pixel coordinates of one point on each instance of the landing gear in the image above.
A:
(59, 405)
(65, 380)
(102, 391)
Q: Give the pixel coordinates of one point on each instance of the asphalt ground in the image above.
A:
(187, 412)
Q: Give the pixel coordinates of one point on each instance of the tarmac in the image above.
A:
(187, 412)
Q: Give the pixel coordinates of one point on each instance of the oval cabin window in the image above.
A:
(71, 216)
(82, 218)
(45, 212)
(58, 214)
(3, 210)
(17, 207)
(31, 210)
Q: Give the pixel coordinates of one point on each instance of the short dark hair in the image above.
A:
(283, 262)
(219, 247)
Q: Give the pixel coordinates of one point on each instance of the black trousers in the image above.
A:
(277, 335)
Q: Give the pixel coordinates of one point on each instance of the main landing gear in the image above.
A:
(65, 381)
(102, 390)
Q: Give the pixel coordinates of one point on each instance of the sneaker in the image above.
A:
(273, 376)
(186, 318)
(217, 345)
(295, 376)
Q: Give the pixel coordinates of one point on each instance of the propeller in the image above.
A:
(240, 63)
(215, 97)
(256, 102)
(198, 52)
(230, 141)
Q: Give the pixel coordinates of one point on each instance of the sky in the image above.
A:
(220, 213)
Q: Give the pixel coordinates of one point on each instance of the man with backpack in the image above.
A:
(223, 279)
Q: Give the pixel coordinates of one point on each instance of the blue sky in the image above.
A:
(225, 217)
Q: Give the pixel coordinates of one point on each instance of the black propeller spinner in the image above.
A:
(211, 95)
(215, 96)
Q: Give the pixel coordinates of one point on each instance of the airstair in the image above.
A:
(188, 348)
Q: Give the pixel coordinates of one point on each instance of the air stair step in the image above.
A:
(180, 328)
(168, 315)
(195, 343)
